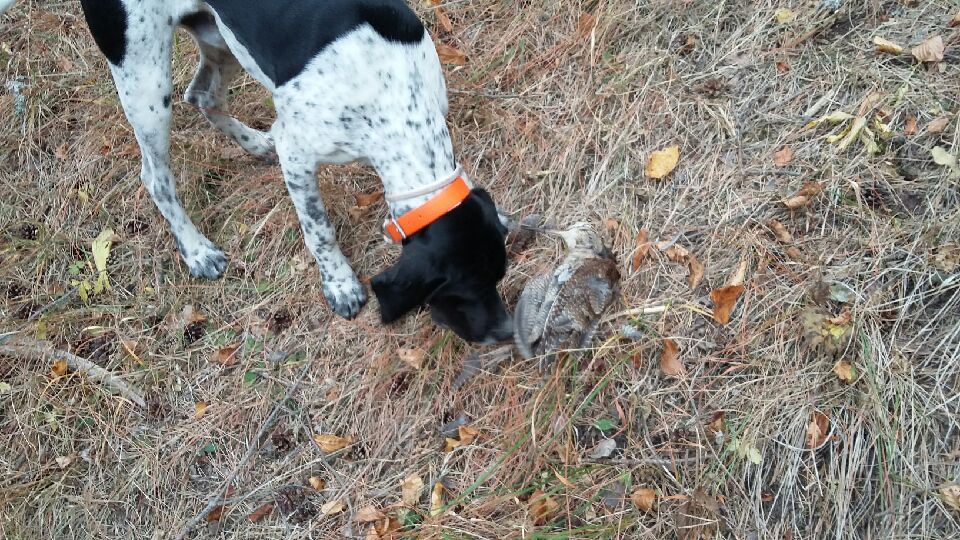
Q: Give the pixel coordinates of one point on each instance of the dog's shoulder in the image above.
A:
(283, 36)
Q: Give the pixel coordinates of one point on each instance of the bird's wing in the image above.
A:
(528, 319)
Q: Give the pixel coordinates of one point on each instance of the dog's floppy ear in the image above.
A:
(401, 287)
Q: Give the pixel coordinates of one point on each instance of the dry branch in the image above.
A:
(38, 350)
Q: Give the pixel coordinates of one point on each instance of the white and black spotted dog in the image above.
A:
(351, 80)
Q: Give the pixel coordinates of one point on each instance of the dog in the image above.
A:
(351, 80)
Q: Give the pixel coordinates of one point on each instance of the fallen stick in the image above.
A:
(38, 350)
(220, 497)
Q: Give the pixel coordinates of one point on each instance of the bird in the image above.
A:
(561, 310)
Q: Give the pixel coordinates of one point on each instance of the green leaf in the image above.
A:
(210, 448)
(754, 455)
(5, 387)
(604, 424)
(250, 377)
(74, 268)
(83, 290)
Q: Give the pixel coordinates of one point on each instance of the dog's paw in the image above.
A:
(259, 144)
(205, 261)
(346, 297)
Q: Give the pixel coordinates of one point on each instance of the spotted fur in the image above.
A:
(352, 80)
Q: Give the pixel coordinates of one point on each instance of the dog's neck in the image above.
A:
(407, 187)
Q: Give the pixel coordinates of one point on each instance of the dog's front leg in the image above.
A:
(341, 287)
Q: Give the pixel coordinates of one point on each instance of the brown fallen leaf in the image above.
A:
(260, 512)
(385, 529)
(316, 483)
(845, 371)
(817, 430)
(783, 156)
(412, 356)
(674, 252)
(451, 55)
(436, 500)
(670, 362)
(130, 347)
(542, 507)
(331, 443)
(886, 46)
(58, 368)
(411, 488)
(910, 125)
(215, 514)
(662, 162)
(642, 249)
(199, 409)
(780, 231)
(442, 20)
(330, 508)
(724, 299)
(366, 199)
(783, 66)
(937, 125)
(950, 494)
(225, 356)
(644, 499)
(190, 314)
(955, 21)
(930, 50)
(696, 271)
(467, 434)
(368, 514)
(795, 202)
(716, 422)
(794, 253)
(698, 517)
(810, 189)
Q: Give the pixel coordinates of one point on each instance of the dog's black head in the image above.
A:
(453, 265)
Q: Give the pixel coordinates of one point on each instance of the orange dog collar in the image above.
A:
(400, 228)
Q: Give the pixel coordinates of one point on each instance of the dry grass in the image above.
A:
(554, 116)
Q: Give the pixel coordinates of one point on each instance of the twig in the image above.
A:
(663, 462)
(59, 301)
(220, 497)
(38, 350)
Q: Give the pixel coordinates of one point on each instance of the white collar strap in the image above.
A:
(430, 188)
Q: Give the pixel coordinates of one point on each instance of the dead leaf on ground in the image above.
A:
(930, 50)
(946, 257)
(367, 199)
(199, 409)
(542, 507)
(436, 500)
(716, 422)
(59, 368)
(642, 249)
(951, 496)
(675, 252)
(330, 508)
(845, 371)
(225, 356)
(937, 125)
(795, 202)
(190, 314)
(412, 356)
(644, 499)
(260, 512)
(385, 529)
(697, 269)
(603, 449)
(955, 21)
(411, 488)
(130, 347)
(442, 20)
(783, 156)
(886, 46)
(817, 430)
(331, 443)
(802, 197)
(316, 483)
(215, 514)
(368, 514)
(780, 231)
(724, 299)
(670, 362)
(451, 55)
(467, 434)
(910, 126)
(662, 162)
(63, 461)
